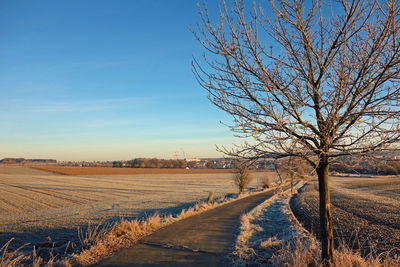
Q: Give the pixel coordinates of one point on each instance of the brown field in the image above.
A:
(125, 171)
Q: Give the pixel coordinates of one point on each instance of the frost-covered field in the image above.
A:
(366, 218)
(38, 206)
(365, 211)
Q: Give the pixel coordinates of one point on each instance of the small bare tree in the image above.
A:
(265, 182)
(313, 80)
(241, 176)
(292, 168)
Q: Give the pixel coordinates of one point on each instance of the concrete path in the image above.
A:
(201, 240)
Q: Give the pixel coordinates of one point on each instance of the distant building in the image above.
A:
(192, 160)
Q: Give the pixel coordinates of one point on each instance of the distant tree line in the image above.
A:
(385, 165)
(365, 166)
(157, 163)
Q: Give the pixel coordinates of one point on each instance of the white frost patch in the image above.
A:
(265, 229)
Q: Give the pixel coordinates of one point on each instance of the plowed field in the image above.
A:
(36, 204)
(125, 171)
(365, 211)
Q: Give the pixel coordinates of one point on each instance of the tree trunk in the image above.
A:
(325, 215)
(277, 171)
(291, 183)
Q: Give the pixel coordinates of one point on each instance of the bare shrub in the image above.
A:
(266, 182)
(92, 235)
(241, 176)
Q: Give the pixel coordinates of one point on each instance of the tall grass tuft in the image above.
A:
(210, 197)
(304, 254)
(13, 258)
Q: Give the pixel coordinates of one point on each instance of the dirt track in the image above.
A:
(366, 211)
(201, 240)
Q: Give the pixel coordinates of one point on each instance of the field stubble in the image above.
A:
(365, 211)
(45, 209)
(271, 235)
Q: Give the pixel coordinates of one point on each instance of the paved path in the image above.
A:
(201, 240)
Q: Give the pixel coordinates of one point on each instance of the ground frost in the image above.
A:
(265, 229)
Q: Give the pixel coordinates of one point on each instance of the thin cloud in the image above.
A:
(91, 105)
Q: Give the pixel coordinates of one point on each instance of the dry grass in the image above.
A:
(272, 242)
(210, 197)
(243, 251)
(99, 242)
(124, 171)
(247, 229)
(300, 249)
(304, 254)
(16, 258)
(296, 253)
(103, 243)
(13, 258)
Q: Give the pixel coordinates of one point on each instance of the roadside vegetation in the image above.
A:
(300, 254)
(265, 182)
(385, 164)
(271, 235)
(99, 242)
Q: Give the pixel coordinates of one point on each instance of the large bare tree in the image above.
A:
(315, 80)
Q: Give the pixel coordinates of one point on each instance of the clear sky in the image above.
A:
(103, 80)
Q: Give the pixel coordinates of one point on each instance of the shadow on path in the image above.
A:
(201, 240)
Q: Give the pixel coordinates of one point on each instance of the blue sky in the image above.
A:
(103, 80)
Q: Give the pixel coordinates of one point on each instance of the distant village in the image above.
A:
(380, 163)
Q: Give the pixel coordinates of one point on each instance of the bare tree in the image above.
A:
(311, 80)
(292, 168)
(241, 175)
